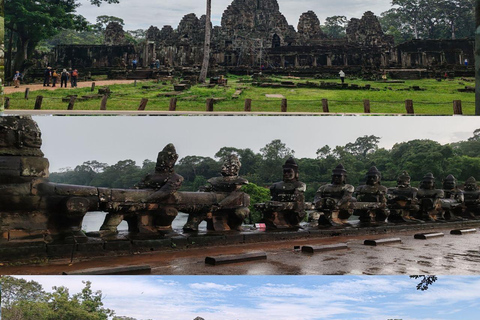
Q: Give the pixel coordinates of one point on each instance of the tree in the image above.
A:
(26, 300)
(206, 46)
(363, 145)
(29, 22)
(335, 26)
(274, 155)
(425, 282)
(429, 19)
(103, 21)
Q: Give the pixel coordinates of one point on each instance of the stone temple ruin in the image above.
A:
(255, 34)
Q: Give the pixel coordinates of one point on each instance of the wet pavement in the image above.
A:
(447, 255)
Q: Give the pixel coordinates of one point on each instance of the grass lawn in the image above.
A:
(436, 98)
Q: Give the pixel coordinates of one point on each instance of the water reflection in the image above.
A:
(93, 221)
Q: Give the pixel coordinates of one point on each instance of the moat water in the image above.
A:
(93, 221)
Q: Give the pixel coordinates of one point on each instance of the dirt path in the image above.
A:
(83, 84)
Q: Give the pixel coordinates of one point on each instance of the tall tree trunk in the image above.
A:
(8, 64)
(206, 47)
(21, 55)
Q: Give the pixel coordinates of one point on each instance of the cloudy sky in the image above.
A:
(141, 14)
(70, 141)
(280, 297)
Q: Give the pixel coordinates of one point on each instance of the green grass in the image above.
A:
(437, 98)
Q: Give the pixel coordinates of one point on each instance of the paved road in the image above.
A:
(448, 255)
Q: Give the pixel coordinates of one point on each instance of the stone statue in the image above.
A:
(335, 201)
(471, 194)
(32, 208)
(230, 212)
(452, 204)
(286, 209)
(371, 197)
(429, 200)
(164, 182)
(402, 201)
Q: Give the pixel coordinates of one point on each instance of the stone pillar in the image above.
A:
(282, 61)
(296, 61)
(314, 58)
(345, 59)
(329, 60)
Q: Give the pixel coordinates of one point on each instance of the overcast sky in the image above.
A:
(141, 14)
(280, 297)
(70, 141)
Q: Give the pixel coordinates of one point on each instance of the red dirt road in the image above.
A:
(82, 84)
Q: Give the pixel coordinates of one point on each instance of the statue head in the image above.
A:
(471, 184)
(166, 159)
(428, 181)
(403, 180)
(20, 135)
(339, 175)
(290, 170)
(373, 176)
(449, 183)
(231, 166)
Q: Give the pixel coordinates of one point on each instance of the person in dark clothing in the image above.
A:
(74, 76)
(46, 77)
(63, 78)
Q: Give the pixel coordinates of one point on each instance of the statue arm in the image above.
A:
(170, 187)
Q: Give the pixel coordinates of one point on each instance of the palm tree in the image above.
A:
(206, 47)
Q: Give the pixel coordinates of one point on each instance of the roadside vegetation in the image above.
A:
(434, 97)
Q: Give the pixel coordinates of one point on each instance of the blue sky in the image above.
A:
(281, 297)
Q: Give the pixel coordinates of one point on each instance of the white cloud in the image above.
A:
(212, 286)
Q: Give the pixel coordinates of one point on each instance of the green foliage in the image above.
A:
(257, 195)
(335, 26)
(429, 19)
(418, 157)
(27, 300)
(30, 22)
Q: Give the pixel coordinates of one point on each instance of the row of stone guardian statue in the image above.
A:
(33, 208)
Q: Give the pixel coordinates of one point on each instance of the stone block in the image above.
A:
(30, 235)
(34, 167)
(179, 242)
(60, 250)
(9, 166)
(131, 195)
(151, 245)
(74, 190)
(125, 245)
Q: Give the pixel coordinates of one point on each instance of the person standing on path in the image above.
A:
(342, 76)
(46, 77)
(16, 79)
(63, 78)
(54, 78)
(74, 78)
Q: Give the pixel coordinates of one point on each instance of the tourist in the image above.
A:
(74, 76)
(134, 64)
(47, 74)
(54, 78)
(466, 62)
(342, 76)
(157, 64)
(16, 79)
(64, 78)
